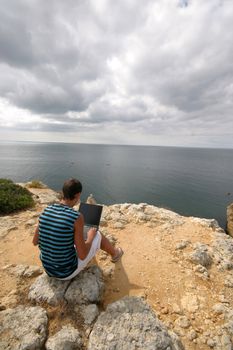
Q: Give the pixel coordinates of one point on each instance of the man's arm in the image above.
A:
(82, 246)
(36, 236)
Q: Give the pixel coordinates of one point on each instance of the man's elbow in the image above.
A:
(35, 241)
(82, 253)
(82, 256)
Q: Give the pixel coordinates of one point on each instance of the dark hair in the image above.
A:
(71, 187)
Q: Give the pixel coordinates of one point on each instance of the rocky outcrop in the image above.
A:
(230, 219)
(23, 328)
(192, 297)
(47, 289)
(86, 288)
(130, 324)
(42, 194)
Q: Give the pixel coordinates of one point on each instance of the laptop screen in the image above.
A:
(91, 213)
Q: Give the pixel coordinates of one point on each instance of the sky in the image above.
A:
(151, 72)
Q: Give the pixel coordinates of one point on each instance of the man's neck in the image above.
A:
(67, 202)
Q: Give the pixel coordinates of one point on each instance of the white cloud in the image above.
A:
(159, 72)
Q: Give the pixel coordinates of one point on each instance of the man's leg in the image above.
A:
(115, 253)
(107, 246)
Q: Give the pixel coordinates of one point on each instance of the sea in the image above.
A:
(190, 181)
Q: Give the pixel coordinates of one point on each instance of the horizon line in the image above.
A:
(114, 144)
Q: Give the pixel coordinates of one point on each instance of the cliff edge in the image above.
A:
(181, 267)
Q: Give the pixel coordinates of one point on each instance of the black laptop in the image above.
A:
(92, 215)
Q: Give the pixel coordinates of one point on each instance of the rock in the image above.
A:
(32, 271)
(182, 245)
(229, 281)
(176, 309)
(191, 335)
(91, 199)
(108, 271)
(118, 225)
(223, 251)
(201, 256)
(25, 270)
(7, 224)
(211, 223)
(129, 324)
(48, 289)
(45, 196)
(219, 308)
(141, 217)
(226, 342)
(89, 313)
(17, 270)
(68, 338)
(183, 322)
(30, 222)
(117, 217)
(230, 219)
(86, 288)
(202, 270)
(111, 238)
(23, 328)
(190, 302)
(211, 342)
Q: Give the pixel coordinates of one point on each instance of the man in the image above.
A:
(64, 252)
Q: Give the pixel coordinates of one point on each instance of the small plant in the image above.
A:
(13, 197)
(35, 184)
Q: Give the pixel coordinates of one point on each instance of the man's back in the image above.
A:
(56, 240)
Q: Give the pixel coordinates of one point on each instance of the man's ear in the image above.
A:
(77, 196)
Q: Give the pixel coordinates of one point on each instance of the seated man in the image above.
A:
(63, 250)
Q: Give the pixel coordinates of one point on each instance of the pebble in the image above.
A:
(164, 311)
(211, 343)
(181, 245)
(183, 322)
(191, 335)
(229, 282)
(31, 222)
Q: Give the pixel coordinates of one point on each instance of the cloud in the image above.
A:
(156, 71)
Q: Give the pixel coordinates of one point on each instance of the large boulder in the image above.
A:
(230, 219)
(48, 289)
(130, 324)
(86, 288)
(23, 328)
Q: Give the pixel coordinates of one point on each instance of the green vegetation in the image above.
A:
(35, 184)
(13, 197)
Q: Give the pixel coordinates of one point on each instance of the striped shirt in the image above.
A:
(56, 240)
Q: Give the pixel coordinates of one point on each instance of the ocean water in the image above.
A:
(189, 181)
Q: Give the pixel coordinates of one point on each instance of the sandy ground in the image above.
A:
(151, 267)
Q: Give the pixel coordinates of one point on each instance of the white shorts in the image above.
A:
(95, 246)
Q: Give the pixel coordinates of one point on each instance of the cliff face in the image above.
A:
(181, 266)
(230, 219)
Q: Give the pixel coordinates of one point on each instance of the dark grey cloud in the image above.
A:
(155, 68)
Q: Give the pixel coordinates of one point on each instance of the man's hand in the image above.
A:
(91, 234)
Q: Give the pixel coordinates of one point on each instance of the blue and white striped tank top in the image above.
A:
(56, 240)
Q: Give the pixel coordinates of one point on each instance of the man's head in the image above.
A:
(71, 188)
